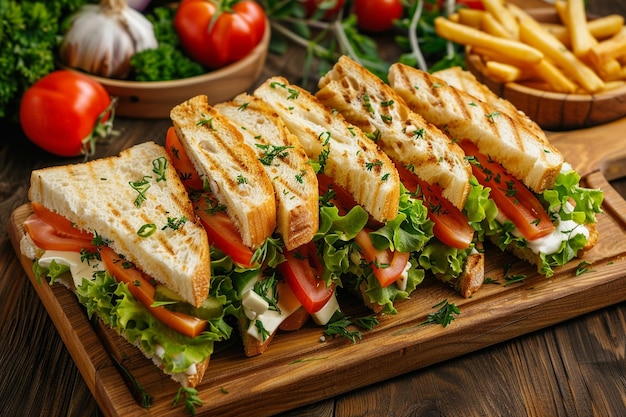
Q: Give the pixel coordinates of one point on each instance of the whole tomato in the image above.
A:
(377, 15)
(219, 33)
(65, 112)
(330, 8)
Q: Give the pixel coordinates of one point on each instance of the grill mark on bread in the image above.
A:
(511, 139)
(365, 101)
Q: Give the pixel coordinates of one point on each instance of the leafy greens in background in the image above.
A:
(29, 37)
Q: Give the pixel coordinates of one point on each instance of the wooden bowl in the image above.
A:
(550, 110)
(153, 100)
(555, 111)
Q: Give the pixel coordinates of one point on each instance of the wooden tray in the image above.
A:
(308, 370)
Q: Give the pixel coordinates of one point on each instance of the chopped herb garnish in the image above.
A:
(159, 167)
(141, 187)
(147, 230)
(241, 179)
(271, 152)
(191, 398)
(492, 116)
(206, 121)
(581, 268)
(444, 316)
(175, 223)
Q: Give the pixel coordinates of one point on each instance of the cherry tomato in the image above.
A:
(64, 113)
(183, 165)
(377, 15)
(302, 270)
(326, 9)
(219, 33)
(451, 225)
(141, 288)
(513, 199)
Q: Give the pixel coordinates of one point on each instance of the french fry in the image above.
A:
(497, 9)
(548, 72)
(606, 26)
(458, 33)
(611, 48)
(532, 33)
(576, 21)
(491, 25)
(471, 17)
(503, 73)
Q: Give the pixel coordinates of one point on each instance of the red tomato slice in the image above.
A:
(186, 171)
(387, 265)
(302, 270)
(223, 233)
(451, 225)
(513, 199)
(47, 237)
(62, 225)
(141, 288)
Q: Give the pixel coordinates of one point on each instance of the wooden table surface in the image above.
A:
(575, 368)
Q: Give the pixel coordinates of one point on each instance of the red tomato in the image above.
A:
(186, 171)
(302, 270)
(377, 15)
(47, 237)
(64, 113)
(451, 225)
(61, 224)
(216, 36)
(330, 8)
(141, 288)
(513, 199)
(223, 233)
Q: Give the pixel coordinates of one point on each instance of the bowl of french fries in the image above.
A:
(564, 69)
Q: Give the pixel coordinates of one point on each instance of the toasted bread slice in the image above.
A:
(285, 163)
(523, 151)
(114, 197)
(367, 102)
(351, 159)
(235, 176)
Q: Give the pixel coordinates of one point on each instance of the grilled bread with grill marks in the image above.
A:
(97, 196)
(367, 102)
(524, 151)
(235, 176)
(285, 163)
(351, 158)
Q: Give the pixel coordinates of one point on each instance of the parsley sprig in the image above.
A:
(445, 314)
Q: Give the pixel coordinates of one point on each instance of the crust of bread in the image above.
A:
(251, 345)
(97, 196)
(471, 278)
(367, 102)
(293, 178)
(235, 176)
(524, 151)
(353, 161)
(295, 321)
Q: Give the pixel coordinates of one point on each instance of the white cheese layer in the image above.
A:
(78, 268)
(323, 315)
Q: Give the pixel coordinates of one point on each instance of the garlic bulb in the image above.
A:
(102, 38)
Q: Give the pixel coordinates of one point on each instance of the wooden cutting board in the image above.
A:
(310, 370)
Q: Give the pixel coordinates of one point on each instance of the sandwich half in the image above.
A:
(431, 166)
(543, 215)
(121, 232)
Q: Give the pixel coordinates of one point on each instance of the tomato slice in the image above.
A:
(62, 225)
(223, 233)
(387, 265)
(302, 270)
(183, 165)
(47, 237)
(451, 226)
(513, 199)
(141, 288)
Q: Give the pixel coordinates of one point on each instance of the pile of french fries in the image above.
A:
(574, 56)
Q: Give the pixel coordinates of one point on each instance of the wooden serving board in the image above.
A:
(310, 370)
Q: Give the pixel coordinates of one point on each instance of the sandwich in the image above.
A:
(543, 215)
(382, 227)
(121, 233)
(431, 166)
